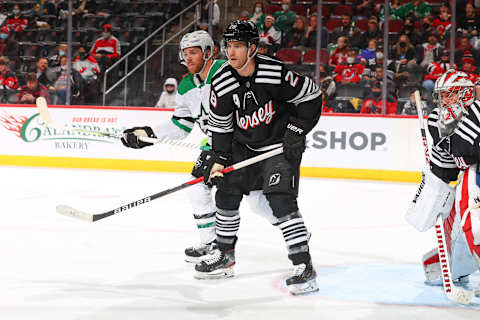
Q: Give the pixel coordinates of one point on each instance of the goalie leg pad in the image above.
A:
(467, 194)
(433, 197)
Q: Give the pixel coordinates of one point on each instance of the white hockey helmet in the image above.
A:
(453, 93)
(200, 39)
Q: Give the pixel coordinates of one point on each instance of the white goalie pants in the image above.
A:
(204, 209)
(463, 242)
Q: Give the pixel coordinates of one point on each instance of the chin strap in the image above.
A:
(249, 57)
(205, 61)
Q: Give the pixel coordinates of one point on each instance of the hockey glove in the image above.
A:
(130, 137)
(294, 141)
(212, 175)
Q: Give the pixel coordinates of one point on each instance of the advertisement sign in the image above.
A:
(365, 147)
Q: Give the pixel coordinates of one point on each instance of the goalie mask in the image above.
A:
(196, 39)
(453, 93)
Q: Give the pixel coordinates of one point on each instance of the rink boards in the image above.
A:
(353, 146)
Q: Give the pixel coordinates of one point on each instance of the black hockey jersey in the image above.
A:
(255, 110)
(459, 150)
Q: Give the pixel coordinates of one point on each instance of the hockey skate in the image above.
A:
(303, 279)
(199, 252)
(218, 265)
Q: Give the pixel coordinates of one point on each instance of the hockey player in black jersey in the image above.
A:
(257, 104)
(454, 126)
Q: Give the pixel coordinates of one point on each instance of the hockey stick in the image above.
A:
(42, 109)
(454, 293)
(69, 211)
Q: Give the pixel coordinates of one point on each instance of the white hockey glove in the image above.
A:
(434, 197)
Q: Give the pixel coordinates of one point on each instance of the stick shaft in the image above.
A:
(160, 194)
(453, 293)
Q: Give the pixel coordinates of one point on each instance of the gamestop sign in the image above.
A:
(342, 140)
(389, 143)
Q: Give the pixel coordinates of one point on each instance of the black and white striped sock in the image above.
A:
(227, 223)
(294, 232)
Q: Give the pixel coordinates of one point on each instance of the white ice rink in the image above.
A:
(130, 266)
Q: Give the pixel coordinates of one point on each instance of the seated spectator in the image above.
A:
(89, 69)
(349, 71)
(393, 8)
(339, 54)
(258, 15)
(244, 16)
(285, 18)
(436, 69)
(410, 107)
(16, 21)
(468, 66)
(469, 24)
(465, 48)
(377, 77)
(270, 35)
(217, 53)
(8, 44)
(362, 9)
(374, 103)
(264, 50)
(167, 98)
(417, 8)
(296, 35)
(352, 33)
(8, 79)
(426, 30)
(442, 23)
(429, 51)
(403, 56)
(411, 32)
(32, 90)
(56, 7)
(373, 31)
(61, 82)
(44, 75)
(60, 51)
(369, 55)
(106, 49)
(310, 38)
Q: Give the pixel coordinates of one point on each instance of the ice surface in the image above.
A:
(130, 266)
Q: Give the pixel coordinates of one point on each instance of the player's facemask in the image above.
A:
(451, 109)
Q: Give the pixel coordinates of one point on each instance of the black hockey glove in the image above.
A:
(211, 175)
(131, 136)
(294, 141)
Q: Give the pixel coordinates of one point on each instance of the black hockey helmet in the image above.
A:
(240, 30)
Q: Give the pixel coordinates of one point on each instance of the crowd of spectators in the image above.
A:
(352, 47)
(33, 35)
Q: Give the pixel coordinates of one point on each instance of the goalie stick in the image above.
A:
(42, 109)
(72, 212)
(454, 293)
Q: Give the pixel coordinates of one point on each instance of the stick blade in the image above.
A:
(42, 108)
(74, 213)
(460, 295)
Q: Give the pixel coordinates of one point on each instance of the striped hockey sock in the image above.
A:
(227, 223)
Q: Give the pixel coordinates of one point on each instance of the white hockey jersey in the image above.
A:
(192, 106)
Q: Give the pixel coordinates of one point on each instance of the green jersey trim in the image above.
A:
(213, 69)
(206, 225)
(181, 126)
(186, 84)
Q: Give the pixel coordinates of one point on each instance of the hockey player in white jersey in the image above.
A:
(192, 106)
(455, 128)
